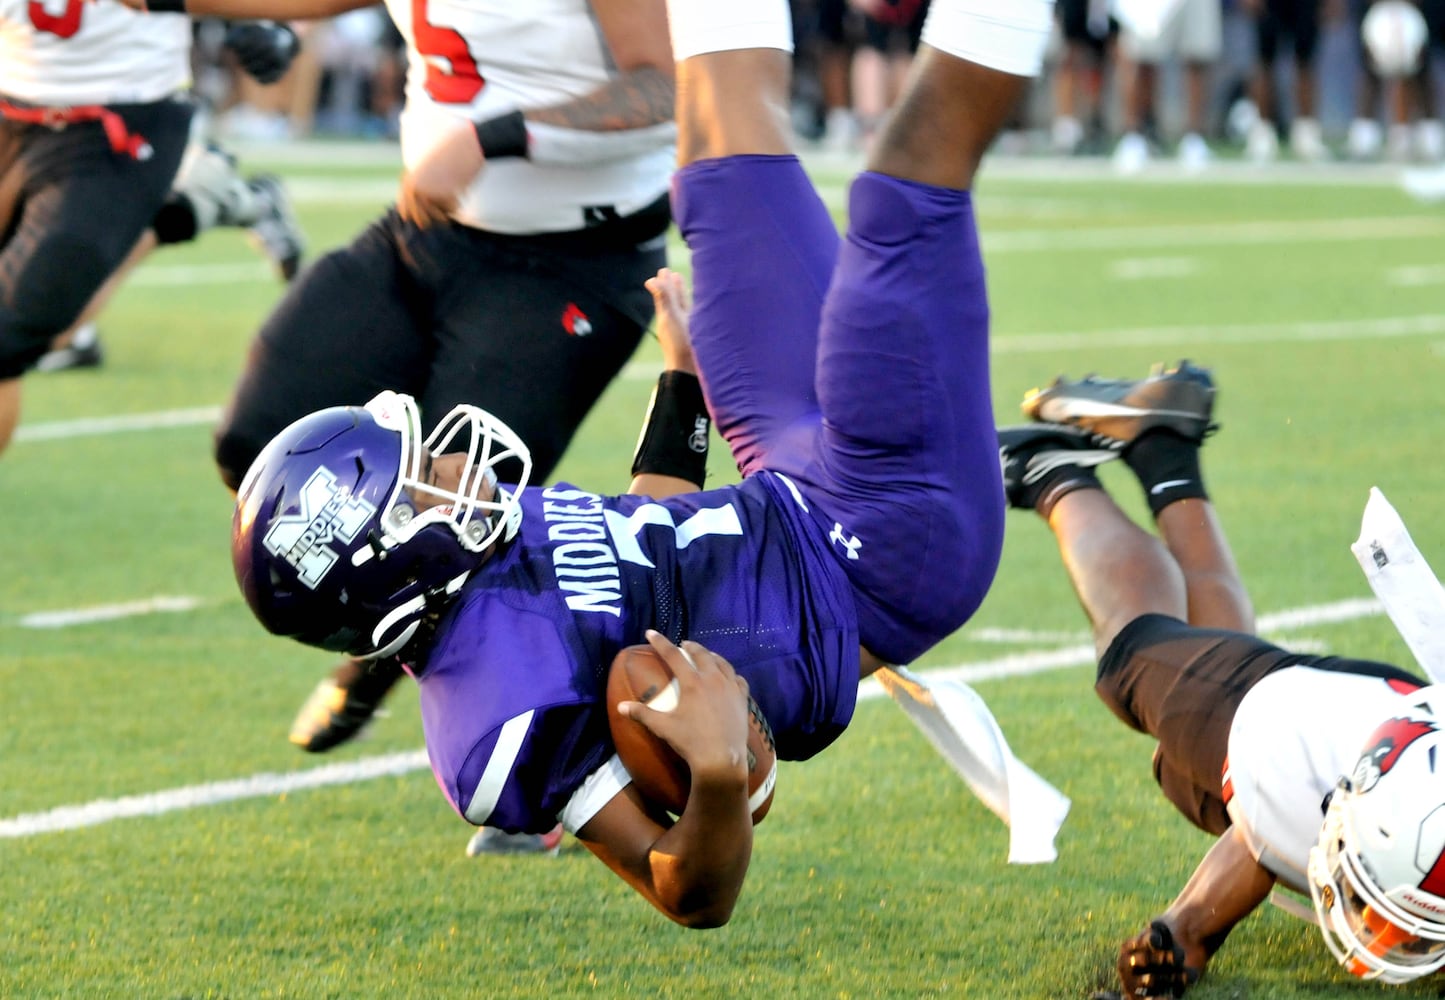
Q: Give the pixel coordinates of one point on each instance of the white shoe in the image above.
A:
(1242, 117)
(1398, 139)
(216, 190)
(1430, 140)
(489, 840)
(1262, 143)
(1364, 139)
(1306, 141)
(82, 351)
(1066, 135)
(1131, 154)
(275, 231)
(1193, 153)
(841, 133)
(1424, 183)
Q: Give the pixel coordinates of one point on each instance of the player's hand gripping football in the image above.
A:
(673, 303)
(430, 191)
(709, 726)
(1151, 964)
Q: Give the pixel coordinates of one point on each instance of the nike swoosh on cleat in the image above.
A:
(1061, 410)
(1158, 488)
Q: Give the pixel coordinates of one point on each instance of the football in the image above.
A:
(638, 673)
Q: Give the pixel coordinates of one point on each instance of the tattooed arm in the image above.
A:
(630, 115)
(642, 92)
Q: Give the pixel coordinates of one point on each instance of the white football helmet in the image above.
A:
(1377, 875)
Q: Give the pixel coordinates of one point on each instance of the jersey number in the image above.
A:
(65, 24)
(452, 76)
(626, 531)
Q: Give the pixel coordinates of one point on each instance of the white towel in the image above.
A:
(960, 726)
(1403, 582)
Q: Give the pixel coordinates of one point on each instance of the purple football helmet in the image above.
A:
(329, 542)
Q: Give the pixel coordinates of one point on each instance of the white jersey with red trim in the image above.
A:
(66, 52)
(1295, 734)
(476, 59)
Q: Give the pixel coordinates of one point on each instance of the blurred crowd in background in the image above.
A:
(1262, 79)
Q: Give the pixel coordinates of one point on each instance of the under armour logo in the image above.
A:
(850, 543)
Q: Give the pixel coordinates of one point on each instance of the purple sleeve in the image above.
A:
(519, 776)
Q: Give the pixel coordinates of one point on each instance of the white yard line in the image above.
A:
(1416, 277)
(68, 617)
(1383, 328)
(1152, 268)
(267, 785)
(189, 275)
(93, 426)
(213, 793)
(1255, 233)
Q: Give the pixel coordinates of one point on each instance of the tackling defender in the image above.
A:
(1315, 772)
(851, 381)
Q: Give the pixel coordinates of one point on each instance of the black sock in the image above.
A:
(175, 222)
(1057, 484)
(1168, 468)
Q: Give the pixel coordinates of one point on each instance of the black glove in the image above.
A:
(1152, 965)
(264, 48)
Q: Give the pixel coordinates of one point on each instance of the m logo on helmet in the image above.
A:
(327, 512)
(1386, 745)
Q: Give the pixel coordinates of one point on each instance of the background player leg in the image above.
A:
(209, 192)
(716, 118)
(948, 115)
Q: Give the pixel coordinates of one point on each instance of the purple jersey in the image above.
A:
(512, 693)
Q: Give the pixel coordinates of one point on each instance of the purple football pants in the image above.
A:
(859, 369)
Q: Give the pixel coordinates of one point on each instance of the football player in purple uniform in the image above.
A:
(538, 144)
(850, 379)
(1316, 773)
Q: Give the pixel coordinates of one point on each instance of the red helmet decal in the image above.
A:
(1401, 686)
(1385, 746)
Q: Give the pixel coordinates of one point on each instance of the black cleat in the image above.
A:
(344, 703)
(83, 351)
(1117, 411)
(1029, 452)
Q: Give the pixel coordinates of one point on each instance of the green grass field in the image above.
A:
(159, 835)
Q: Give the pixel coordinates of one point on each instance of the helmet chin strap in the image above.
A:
(410, 613)
(407, 617)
